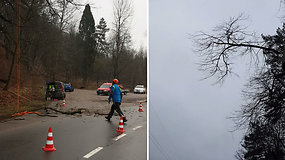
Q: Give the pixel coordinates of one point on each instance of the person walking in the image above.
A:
(116, 96)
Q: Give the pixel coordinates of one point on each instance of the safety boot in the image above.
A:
(108, 118)
(125, 119)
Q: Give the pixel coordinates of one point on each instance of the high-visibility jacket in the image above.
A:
(115, 93)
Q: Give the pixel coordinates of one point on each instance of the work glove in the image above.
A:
(109, 100)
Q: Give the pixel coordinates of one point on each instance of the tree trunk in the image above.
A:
(10, 72)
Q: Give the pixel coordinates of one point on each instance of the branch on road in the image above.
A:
(49, 115)
(80, 111)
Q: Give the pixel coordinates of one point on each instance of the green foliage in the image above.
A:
(88, 36)
(101, 36)
(87, 25)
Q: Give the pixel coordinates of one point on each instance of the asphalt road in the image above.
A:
(75, 137)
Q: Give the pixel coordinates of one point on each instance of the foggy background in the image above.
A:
(189, 117)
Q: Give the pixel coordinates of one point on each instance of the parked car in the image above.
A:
(139, 89)
(68, 87)
(55, 90)
(104, 89)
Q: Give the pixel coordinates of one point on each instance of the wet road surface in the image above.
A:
(74, 137)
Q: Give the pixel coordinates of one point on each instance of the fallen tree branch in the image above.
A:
(101, 114)
(65, 112)
(49, 115)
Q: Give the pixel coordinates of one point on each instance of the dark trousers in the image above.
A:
(115, 106)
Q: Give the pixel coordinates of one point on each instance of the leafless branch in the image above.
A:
(228, 40)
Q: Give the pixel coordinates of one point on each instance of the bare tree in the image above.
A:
(51, 48)
(228, 40)
(8, 25)
(123, 11)
(266, 91)
(65, 12)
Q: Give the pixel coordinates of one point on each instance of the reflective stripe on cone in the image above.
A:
(121, 126)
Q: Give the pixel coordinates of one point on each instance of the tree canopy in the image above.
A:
(264, 112)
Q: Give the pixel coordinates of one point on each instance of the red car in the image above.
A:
(104, 89)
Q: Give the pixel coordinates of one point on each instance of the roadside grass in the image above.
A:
(9, 110)
(30, 100)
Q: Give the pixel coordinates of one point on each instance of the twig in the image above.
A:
(21, 96)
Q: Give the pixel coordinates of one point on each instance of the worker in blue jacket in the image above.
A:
(115, 95)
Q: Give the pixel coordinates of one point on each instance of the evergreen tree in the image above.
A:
(87, 25)
(101, 36)
(88, 36)
(275, 104)
(263, 142)
(266, 137)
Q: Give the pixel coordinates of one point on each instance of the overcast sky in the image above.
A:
(188, 117)
(104, 8)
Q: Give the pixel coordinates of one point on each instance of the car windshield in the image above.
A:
(139, 86)
(56, 86)
(105, 86)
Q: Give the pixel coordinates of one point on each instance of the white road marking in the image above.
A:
(120, 136)
(93, 152)
(100, 148)
(137, 128)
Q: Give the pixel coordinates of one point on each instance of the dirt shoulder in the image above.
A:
(92, 103)
(83, 102)
(78, 103)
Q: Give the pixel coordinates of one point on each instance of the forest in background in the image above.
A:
(54, 47)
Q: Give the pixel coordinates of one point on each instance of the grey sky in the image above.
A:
(188, 117)
(138, 23)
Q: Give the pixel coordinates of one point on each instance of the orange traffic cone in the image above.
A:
(140, 108)
(49, 143)
(63, 103)
(121, 126)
